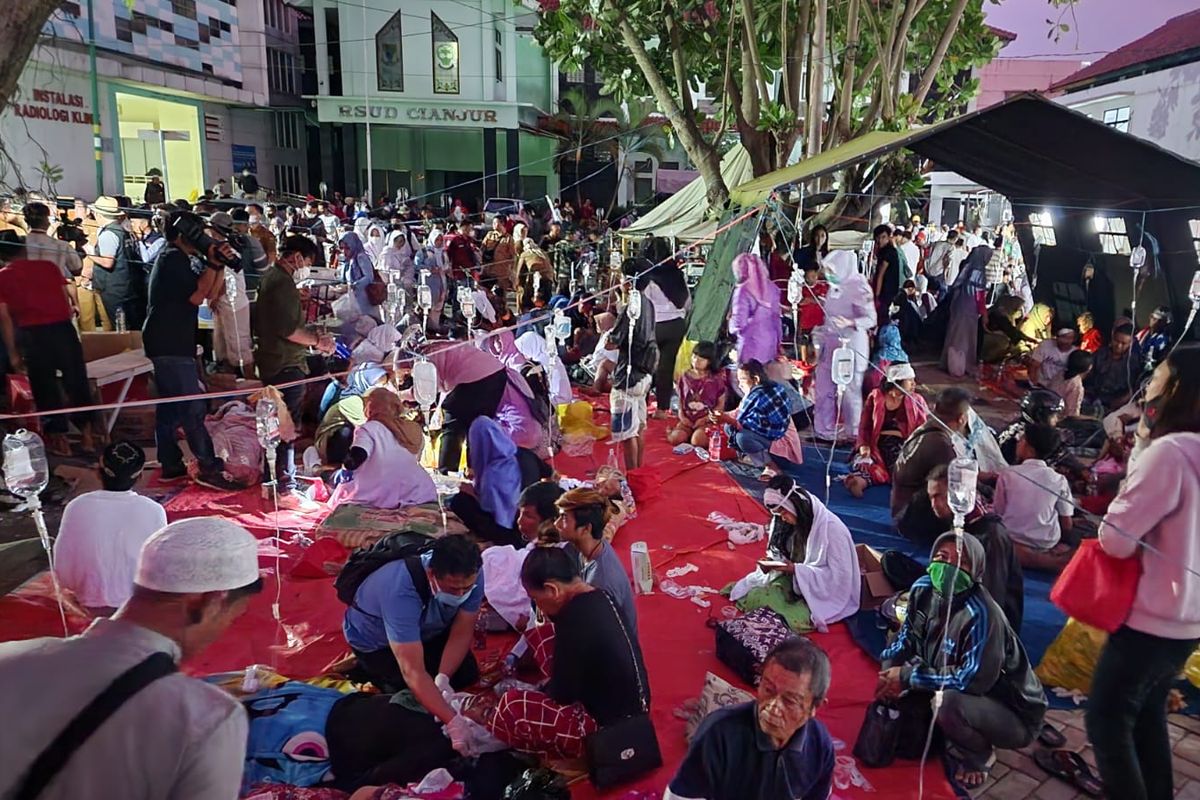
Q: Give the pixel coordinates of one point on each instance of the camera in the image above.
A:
(189, 227)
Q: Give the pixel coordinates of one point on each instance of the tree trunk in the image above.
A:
(939, 53)
(21, 24)
(816, 81)
(701, 152)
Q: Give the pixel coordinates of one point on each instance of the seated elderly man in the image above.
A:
(968, 658)
(771, 749)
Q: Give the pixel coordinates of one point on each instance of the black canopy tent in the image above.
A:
(1045, 157)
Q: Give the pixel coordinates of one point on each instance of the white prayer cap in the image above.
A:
(901, 372)
(202, 554)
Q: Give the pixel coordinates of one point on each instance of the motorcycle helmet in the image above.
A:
(1039, 406)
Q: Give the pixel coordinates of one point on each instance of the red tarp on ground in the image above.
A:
(678, 646)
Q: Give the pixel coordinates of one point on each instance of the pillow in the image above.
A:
(717, 693)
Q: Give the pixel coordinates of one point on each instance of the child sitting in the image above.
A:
(1038, 521)
(701, 390)
(1079, 366)
(1090, 338)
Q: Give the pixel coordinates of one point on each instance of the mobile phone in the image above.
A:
(768, 564)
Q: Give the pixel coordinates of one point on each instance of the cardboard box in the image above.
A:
(102, 344)
(875, 586)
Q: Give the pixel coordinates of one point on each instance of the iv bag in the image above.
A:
(231, 287)
(537, 283)
(843, 366)
(561, 326)
(26, 472)
(266, 423)
(795, 287)
(1194, 290)
(551, 344)
(963, 475)
(634, 308)
(425, 382)
(1137, 258)
(425, 297)
(466, 302)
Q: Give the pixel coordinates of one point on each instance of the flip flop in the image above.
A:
(1069, 766)
(1051, 737)
(956, 763)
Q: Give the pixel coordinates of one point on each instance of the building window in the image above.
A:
(184, 8)
(71, 9)
(1043, 228)
(498, 37)
(575, 76)
(1117, 118)
(389, 56)
(445, 57)
(281, 71)
(1113, 239)
(287, 179)
(1194, 224)
(287, 134)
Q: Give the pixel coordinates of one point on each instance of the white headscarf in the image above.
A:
(533, 347)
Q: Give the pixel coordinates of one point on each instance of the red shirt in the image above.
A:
(33, 292)
(1091, 341)
(812, 313)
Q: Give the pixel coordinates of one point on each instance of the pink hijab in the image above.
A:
(752, 276)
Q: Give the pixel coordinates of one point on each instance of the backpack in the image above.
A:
(404, 545)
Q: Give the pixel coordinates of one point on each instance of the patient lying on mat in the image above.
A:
(810, 562)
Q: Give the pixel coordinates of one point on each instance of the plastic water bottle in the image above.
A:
(266, 423)
(119, 321)
(26, 472)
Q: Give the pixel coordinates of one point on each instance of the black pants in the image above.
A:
(1127, 713)
(293, 397)
(48, 350)
(669, 336)
(381, 668)
(134, 308)
(338, 444)
(482, 524)
(463, 405)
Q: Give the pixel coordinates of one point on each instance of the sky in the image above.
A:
(1100, 26)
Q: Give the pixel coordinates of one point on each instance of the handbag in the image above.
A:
(376, 289)
(1097, 589)
(743, 643)
(879, 735)
(626, 749)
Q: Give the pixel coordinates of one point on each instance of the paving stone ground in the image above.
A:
(1015, 775)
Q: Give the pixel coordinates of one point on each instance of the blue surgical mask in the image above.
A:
(448, 599)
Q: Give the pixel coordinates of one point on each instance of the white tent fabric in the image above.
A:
(684, 215)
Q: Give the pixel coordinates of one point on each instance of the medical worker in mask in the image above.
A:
(849, 317)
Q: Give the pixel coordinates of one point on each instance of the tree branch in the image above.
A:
(677, 62)
(939, 53)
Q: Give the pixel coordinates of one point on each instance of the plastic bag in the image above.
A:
(880, 733)
(346, 308)
(1071, 658)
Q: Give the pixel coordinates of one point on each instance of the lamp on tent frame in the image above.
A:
(26, 474)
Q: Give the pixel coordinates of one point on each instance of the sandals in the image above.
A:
(1070, 767)
(1051, 737)
(956, 765)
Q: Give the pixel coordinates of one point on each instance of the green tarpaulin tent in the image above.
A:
(684, 216)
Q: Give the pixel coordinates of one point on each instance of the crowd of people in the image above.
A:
(340, 312)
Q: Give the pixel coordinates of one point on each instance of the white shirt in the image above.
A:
(1053, 364)
(389, 478)
(664, 309)
(176, 739)
(912, 255)
(1029, 511)
(96, 552)
(39, 246)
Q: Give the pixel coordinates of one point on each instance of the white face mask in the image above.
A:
(255, 219)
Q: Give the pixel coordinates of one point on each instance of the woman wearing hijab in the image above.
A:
(375, 242)
(889, 349)
(380, 469)
(810, 559)
(488, 505)
(432, 258)
(849, 316)
(358, 272)
(1037, 327)
(343, 411)
(754, 317)
(959, 351)
(398, 258)
(664, 286)
(533, 348)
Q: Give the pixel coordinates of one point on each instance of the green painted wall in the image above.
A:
(533, 73)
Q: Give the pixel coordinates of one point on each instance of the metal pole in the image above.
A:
(162, 156)
(367, 97)
(96, 145)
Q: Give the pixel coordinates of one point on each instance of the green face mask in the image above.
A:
(940, 574)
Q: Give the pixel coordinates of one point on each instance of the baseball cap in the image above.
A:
(220, 220)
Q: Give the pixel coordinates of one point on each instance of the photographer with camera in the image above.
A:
(190, 270)
(231, 310)
(41, 246)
